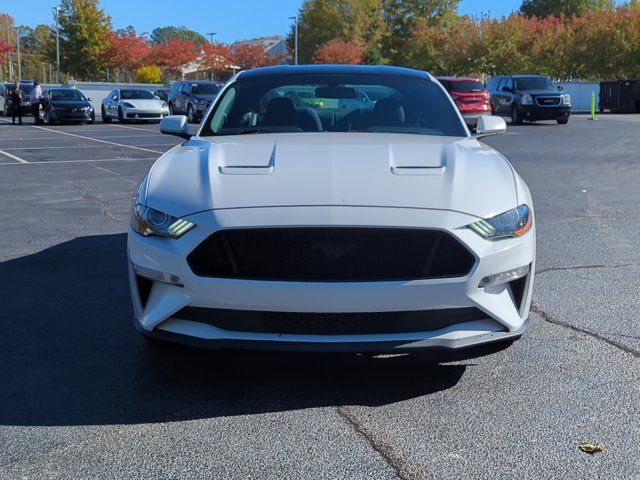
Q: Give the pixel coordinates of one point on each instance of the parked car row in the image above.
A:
(520, 97)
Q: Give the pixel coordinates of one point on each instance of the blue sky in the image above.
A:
(231, 19)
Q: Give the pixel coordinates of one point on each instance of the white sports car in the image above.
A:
(316, 223)
(127, 104)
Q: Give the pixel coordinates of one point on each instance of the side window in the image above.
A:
(509, 83)
(114, 95)
(492, 86)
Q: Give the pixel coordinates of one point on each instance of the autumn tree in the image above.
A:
(567, 8)
(216, 57)
(248, 55)
(126, 51)
(84, 36)
(340, 52)
(173, 55)
(4, 49)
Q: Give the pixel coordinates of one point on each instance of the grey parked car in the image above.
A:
(192, 98)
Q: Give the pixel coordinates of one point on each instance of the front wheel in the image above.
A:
(92, 120)
(121, 115)
(103, 114)
(191, 116)
(47, 117)
(563, 120)
(516, 118)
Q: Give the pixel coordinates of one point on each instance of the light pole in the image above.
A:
(19, 58)
(211, 34)
(56, 10)
(295, 55)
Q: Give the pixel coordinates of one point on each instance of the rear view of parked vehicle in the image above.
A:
(471, 97)
(127, 104)
(192, 98)
(66, 105)
(528, 97)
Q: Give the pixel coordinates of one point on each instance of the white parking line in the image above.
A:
(96, 139)
(13, 157)
(136, 128)
(81, 161)
(81, 146)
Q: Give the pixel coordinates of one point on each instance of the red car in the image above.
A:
(471, 97)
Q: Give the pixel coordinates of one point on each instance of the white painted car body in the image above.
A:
(133, 109)
(349, 180)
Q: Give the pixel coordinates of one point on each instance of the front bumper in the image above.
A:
(144, 114)
(505, 316)
(535, 112)
(70, 116)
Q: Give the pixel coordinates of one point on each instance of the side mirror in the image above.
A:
(177, 125)
(115, 99)
(560, 87)
(490, 125)
(88, 99)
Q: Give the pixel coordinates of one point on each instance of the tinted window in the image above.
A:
(204, 88)
(297, 103)
(533, 83)
(466, 86)
(26, 89)
(66, 95)
(136, 95)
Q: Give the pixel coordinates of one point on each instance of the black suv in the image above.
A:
(528, 97)
(191, 98)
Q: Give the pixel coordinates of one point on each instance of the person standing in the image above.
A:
(34, 98)
(16, 103)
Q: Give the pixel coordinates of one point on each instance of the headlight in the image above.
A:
(566, 99)
(148, 221)
(526, 100)
(512, 223)
(128, 105)
(164, 105)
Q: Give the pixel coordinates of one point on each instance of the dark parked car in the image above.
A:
(192, 98)
(528, 97)
(25, 105)
(162, 94)
(66, 105)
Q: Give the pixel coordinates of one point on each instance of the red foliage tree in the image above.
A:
(216, 57)
(173, 55)
(248, 55)
(340, 52)
(126, 51)
(4, 49)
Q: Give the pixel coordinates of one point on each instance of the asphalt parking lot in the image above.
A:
(83, 396)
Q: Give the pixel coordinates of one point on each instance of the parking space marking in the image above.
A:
(137, 128)
(81, 161)
(97, 139)
(13, 157)
(80, 146)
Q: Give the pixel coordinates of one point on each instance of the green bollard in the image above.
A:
(593, 106)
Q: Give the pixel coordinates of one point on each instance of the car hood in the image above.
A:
(342, 169)
(145, 103)
(70, 103)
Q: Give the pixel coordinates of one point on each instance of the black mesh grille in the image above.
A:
(331, 254)
(330, 323)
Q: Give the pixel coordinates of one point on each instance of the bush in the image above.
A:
(147, 74)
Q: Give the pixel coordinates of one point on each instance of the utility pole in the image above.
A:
(296, 39)
(56, 10)
(19, 58)
(211, 34)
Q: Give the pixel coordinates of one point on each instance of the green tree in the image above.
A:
(321, 21)
(84, 31)
(568, 8)
(401, 17)
(162, 35)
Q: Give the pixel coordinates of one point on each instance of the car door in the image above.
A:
(114, 100)
(184, 97)
(507, 91)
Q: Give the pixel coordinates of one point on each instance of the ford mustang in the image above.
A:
(370, 220)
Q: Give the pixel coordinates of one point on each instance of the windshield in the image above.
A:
(334, 103)
(66, 95)
(136, 95)
(26, 89)
(533, 83)
(204, 88)
(466, 86)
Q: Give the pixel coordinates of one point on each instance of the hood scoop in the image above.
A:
(245, 159)
(412, 160)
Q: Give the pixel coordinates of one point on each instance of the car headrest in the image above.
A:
(280, 112)
(388, 111)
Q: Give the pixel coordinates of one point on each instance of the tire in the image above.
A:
(121, 118)
(563, 120)
(93, 119)
(47, 118)
(171, 112)
(516, 118)
(105, 119)
(191, 115)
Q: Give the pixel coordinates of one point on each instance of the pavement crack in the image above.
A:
(535, 308)
(390, 454)
(105, 207)
(583, 267)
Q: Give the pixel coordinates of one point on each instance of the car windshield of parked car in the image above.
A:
(26, 89)
(204, 89)
(136, 95)
(466, 86)
(72, 95)
(533, 83)
(334, 103)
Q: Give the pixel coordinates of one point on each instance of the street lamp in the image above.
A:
(56, 10)
(19, 59)
(296, 40)
(211, 34)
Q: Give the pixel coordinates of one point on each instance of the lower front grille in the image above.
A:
(331, 254)
(330, 323)
(548, 101)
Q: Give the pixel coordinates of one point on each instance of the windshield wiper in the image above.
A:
(248, 131)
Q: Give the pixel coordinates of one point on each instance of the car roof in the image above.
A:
(333, 69)
(459, 79)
